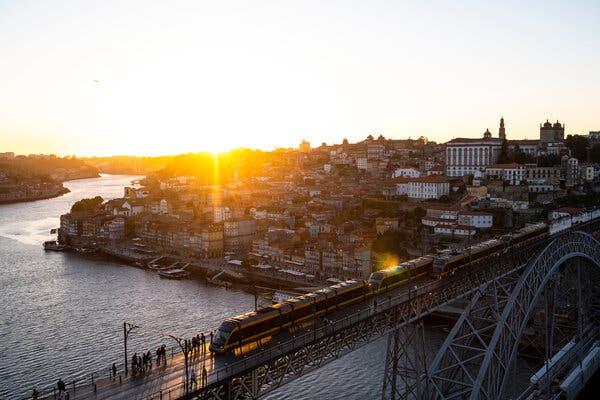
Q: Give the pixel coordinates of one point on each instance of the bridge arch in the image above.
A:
(485, 340)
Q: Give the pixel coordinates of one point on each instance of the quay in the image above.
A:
(205, 268)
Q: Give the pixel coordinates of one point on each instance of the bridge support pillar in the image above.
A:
(406, 363)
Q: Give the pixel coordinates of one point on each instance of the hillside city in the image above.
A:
(341, 211)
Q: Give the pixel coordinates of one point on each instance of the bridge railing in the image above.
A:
(79, 383)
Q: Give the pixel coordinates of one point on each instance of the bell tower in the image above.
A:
(502, 131)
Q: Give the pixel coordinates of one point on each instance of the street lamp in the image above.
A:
(184, 344)
(127, 328)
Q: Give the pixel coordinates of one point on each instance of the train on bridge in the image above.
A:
(253, 326)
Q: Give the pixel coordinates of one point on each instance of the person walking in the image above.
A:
(34, 394)
(114, 371)
(134, 364)
(61, 386)
(139, 363)
(204, 377)
(193, 378)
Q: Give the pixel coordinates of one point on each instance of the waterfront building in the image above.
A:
(212, 241)
(238, 234)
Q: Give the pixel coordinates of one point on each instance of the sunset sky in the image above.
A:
(165, 77)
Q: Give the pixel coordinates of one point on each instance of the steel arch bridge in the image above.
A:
(476, 359)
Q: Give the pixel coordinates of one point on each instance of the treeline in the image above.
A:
(588, 200)
(87, 204)
(16, 173)
(26, 168)
(129, 165)
(222, 168)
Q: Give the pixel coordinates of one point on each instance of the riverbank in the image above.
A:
(34, 190)
(212, 271)
(23, 196)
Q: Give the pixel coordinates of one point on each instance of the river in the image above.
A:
(62, 313)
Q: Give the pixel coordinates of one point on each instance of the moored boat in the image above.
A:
(85, 250)
(175, 273)
(54, 246)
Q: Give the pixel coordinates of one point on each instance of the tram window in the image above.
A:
(220, 338)
(235, 337)
(303, 311)
(256, 329)
(343, 297)
(322, 304)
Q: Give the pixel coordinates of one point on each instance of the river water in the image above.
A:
(62, 313)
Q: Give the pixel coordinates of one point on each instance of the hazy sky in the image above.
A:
(181, 76)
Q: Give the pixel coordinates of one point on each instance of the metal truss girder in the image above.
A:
(406, 363)
(509, 308)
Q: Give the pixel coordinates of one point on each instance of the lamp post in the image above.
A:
(185, 348)
(127, 328)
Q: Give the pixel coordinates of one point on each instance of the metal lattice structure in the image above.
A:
(476, 358)
(406, 362)
(263, 371)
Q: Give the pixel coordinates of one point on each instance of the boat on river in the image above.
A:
(175, 273)
(86, 250)
(53, 245)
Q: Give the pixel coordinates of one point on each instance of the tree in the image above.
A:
(578, 145)
(503, 157)
(87, 204)
(388, 249)
(519, 156)
(445, 199)
(548, 160)
(418, 213)
(595, 153)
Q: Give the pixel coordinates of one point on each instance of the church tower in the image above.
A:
(502, 131)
